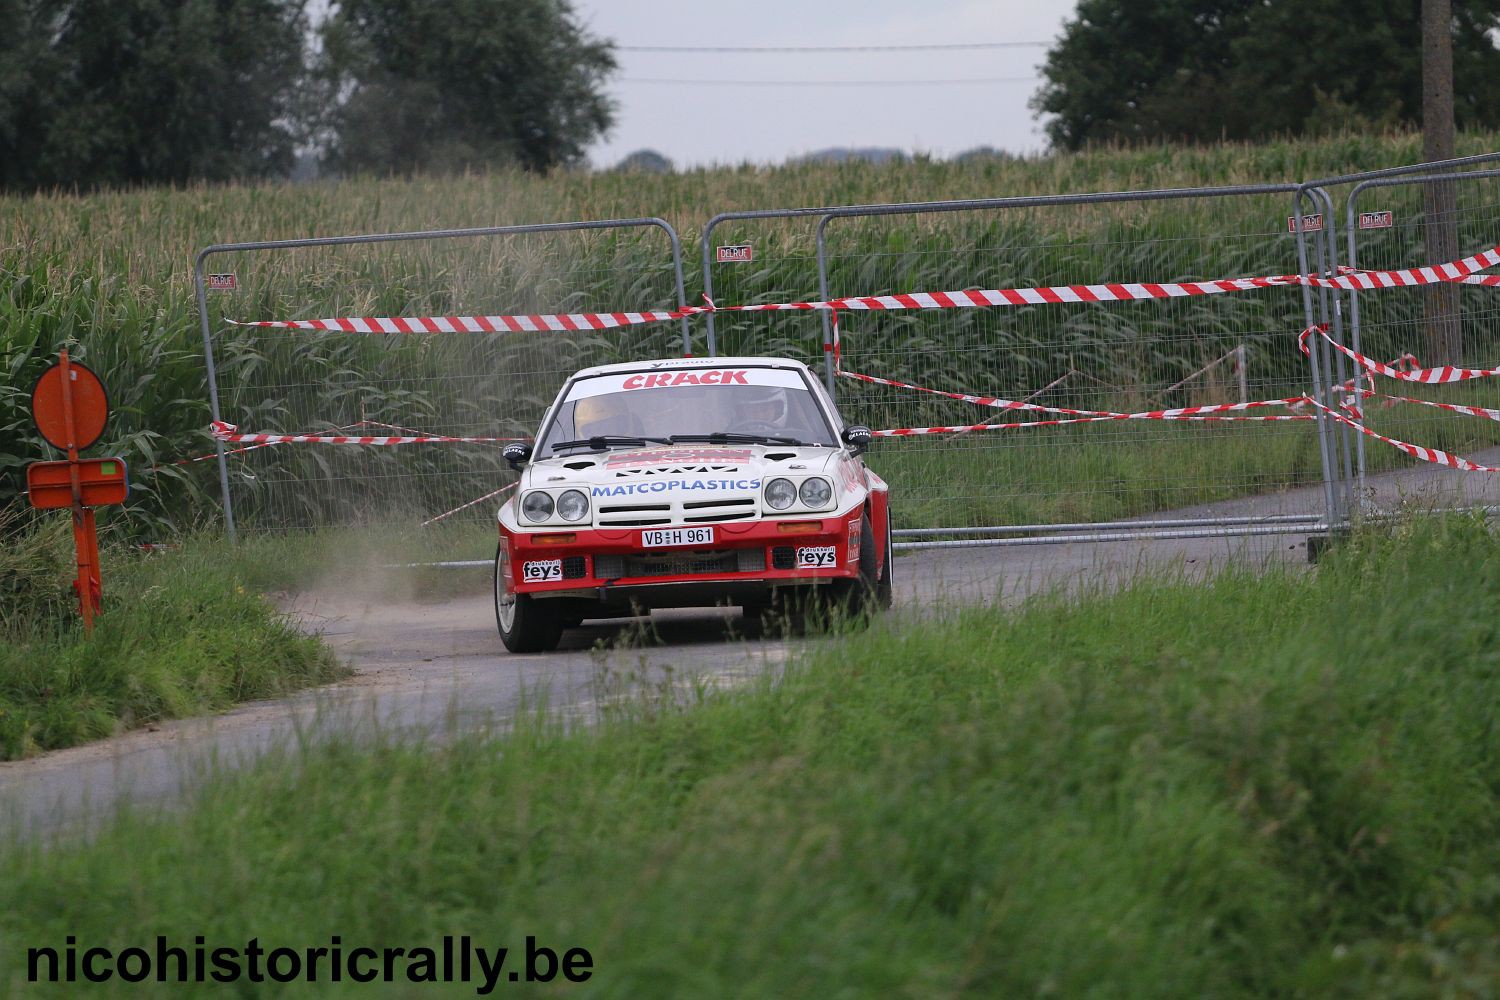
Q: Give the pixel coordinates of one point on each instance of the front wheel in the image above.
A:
(870, 590)
(526, 624)
(883, 588)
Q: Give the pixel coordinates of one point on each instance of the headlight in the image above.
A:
(780, 494)
(816, 492)
(573, 506)
(536, 505)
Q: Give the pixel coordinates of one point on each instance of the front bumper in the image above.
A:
(746, 559)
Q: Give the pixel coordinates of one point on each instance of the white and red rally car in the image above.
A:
(688, 483)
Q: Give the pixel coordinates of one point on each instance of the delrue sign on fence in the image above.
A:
(738, 253)
(70, 409)
(222, 282)
(1376, 220)
(1310, 223)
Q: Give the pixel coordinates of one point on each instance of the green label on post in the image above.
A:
(106, 468)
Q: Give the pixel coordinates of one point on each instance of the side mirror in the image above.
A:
(858, 438)
(516, 453)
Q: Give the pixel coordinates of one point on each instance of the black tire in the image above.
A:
(883, 590)
(526, 625)
(858, 598)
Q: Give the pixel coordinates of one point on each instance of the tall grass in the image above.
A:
(1272, 783)
(183, 633)
(109, 276)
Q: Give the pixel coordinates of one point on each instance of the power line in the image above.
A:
(829, 48)
(828, 83)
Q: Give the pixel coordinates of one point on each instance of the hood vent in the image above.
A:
(674, 470)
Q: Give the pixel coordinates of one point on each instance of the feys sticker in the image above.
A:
(817, 556)
(541, 570)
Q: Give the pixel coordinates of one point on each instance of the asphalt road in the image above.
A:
(431, 667)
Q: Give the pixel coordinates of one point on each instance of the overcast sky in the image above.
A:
(699, 123)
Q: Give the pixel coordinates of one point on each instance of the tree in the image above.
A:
(109, 92)
(1201, 70)
(468, 83)
(645, 161)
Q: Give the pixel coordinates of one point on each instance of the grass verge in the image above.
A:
(184, 632)
(1272, 784)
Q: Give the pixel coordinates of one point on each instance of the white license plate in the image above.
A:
(817, 556)
(660, 538)
(541, 570)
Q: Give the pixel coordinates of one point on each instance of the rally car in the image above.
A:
(689, 483)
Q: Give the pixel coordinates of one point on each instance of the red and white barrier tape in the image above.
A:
(471, 503)
(255, 447)
(1076, 416)
(968, 428)
(1425, 376)
(994, 402)
(1458, 271)
(554, 323)
(1472, 411)
(1434, 455)
(1455, 271)
(229, 432)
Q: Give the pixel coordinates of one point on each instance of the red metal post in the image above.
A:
(85, 540)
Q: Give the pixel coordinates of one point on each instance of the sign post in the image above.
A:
(70, 409)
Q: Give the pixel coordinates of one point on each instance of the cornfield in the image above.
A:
(109, 276)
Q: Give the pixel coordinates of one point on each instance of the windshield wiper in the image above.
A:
(733, 437)
(604, 442)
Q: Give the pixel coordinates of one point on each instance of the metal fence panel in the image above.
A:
(1126, 356)
(1391, 223)
(461, 384)
(753, 258)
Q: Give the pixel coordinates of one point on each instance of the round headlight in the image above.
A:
(573, 506)
(536, 505)
(780, 494)
(816, 492)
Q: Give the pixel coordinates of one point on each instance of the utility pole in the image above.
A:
(1439, 199)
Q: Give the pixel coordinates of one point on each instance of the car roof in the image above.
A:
(669, 364)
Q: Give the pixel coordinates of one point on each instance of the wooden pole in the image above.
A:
(1440, 303)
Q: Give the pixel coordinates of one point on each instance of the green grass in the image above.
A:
(183, 633)
(1275, 783)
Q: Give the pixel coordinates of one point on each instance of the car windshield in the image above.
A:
(691, 403)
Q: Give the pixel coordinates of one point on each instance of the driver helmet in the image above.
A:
(604, 414)
(765, 406)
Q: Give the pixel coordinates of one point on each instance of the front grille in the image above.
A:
(634, 515)
(784, 557)
(700, 504)
(718, 509)
(680, 564)
(575, 566)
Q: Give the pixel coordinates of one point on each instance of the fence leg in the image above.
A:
(1239, 371)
